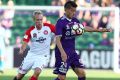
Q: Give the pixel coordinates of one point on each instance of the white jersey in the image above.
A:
(40, 39)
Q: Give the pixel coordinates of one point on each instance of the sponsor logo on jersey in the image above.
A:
(34, 35)
(41, 40)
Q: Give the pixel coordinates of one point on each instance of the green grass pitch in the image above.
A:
(48, 75)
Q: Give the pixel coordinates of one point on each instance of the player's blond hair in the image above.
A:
(37, 12)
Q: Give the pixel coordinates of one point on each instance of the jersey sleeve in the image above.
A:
(27, 35)
(51, 26)
(59, 28)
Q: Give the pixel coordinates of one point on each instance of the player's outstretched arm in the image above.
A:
(89, 29)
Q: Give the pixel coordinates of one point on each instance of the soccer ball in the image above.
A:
(77, 29)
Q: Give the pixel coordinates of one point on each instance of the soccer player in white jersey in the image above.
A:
(40, 36)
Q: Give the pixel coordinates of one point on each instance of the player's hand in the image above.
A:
(106, 30)
(20, 52)
(64, 56)
(110, 30)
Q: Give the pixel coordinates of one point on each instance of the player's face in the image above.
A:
(38, 20)
(70, 12)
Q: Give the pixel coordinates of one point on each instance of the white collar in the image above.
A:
(37, 29)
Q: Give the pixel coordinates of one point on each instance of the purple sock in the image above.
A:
(57, 79)
(81, 78)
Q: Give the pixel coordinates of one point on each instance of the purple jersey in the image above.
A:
(63, 28)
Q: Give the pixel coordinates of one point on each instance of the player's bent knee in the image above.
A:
(37, 70)
(19, 76)
(82, 74)
(61, 77)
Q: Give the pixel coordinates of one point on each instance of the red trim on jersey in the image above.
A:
(51, 26)
(27, 35)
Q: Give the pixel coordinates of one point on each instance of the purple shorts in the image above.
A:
(73, 61)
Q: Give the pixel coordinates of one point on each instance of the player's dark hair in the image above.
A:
(70, 4)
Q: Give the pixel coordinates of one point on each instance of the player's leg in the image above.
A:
(24, 68)
(1, 64)
(19, 76)
(78, 67)
(38, 66)
(80, 72)
(2, 52)
(36, 73)
(61, 77)
(61, 70)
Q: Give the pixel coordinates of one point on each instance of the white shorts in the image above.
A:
(32, 62)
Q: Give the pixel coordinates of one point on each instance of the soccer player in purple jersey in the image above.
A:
(65, 49)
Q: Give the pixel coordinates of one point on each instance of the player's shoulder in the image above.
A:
(48, 24)
(75, 19)
(61, 19)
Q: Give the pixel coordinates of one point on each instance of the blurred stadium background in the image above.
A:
(98, 51)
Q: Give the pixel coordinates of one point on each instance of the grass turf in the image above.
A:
(48, 75)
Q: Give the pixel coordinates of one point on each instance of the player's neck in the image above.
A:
(38, 27)
(67, 16)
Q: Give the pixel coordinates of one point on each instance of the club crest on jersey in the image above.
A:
(34, 35)
(45, 32)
